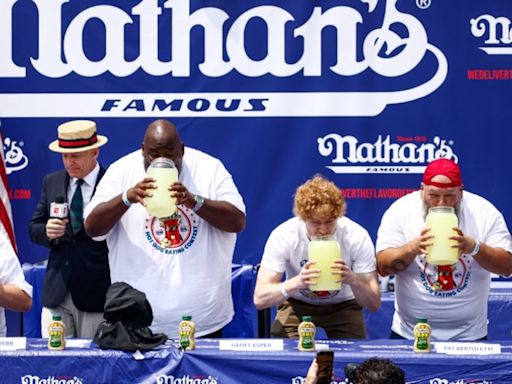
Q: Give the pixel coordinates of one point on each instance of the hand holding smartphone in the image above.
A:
(325, 360)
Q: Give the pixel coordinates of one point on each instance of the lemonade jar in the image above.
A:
(441, 221)
(161, 204)
(324, 250)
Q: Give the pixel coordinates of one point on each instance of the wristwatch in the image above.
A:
(199, 202)
(475, 250)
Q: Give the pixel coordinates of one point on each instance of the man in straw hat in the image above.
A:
(452, 297)
(77, 275)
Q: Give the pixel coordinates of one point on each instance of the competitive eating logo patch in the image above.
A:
(172, 235)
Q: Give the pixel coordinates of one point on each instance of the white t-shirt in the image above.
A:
(286, 250)
(10, 273)
(192, 277)
(457, 308)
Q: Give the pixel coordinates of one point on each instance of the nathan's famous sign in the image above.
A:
(225, 51)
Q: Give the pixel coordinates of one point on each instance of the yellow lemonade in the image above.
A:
(161, 204)
(441, 221)
(324, 252)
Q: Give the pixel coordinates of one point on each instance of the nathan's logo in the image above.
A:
(289, 48)
(409, 155)
(497, 32)
(29, 379)
(15, 159)
(186, 379)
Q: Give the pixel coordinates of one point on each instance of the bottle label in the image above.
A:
(422, 335)
(307, 336)
(185, 332)
(184, 341)
(307, 343)
(56, 334)
(422, 343)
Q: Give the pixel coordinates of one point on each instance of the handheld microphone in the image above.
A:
(59, 208)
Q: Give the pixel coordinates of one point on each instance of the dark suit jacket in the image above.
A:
(76, 262)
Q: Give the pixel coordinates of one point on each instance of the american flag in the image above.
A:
(6, 223)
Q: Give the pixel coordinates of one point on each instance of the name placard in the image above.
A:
(13, 343)
(251, 345)
(467, 348)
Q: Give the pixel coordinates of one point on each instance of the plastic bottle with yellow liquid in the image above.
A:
(161, 204)
(187, 331)
(307, 332)
(56, 332)
(422, 332)
(324, 250)
(441, 221)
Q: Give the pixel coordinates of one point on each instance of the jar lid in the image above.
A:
(322, 237)
(187, 317)
(442, 209)
(307, 318)
(162, 162)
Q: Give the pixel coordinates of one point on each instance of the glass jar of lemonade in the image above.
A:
(161, 204)
(324, 250)
(441, 221)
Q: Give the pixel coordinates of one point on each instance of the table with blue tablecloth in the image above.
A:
(208, 365)
(499, 314)
(248, 322)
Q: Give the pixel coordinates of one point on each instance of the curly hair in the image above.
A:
(379, 371)
(318, 195)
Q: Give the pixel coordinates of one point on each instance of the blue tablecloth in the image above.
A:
(499, 314)
(248, 323)
(208, 365)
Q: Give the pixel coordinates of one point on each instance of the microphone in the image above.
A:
(59, 208)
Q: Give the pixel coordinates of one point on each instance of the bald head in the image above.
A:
(162, 140)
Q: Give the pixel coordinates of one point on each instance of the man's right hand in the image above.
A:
(419, 245)
(56, 228)
(141, 190)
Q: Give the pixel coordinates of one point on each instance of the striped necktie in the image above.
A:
(76, 208)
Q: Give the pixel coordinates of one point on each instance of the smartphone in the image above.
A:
(325, 360)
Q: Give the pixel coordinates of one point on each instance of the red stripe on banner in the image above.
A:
(5, 214)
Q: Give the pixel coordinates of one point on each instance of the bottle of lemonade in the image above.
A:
(324, 250)
(187, 331)
(161, 204)
(441, 221)
(56, 331)
(422, 332)
(307, 331)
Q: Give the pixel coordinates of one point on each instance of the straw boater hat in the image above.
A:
(77, 136)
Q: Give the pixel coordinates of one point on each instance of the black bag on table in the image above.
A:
(128, 316)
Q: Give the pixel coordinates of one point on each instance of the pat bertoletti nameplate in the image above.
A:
(251, 345)
(461, 348)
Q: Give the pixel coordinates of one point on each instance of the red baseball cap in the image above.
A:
(444, 167)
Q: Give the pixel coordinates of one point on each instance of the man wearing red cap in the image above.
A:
(452, 297)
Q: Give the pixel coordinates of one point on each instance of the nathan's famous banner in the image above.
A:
(365, 92)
